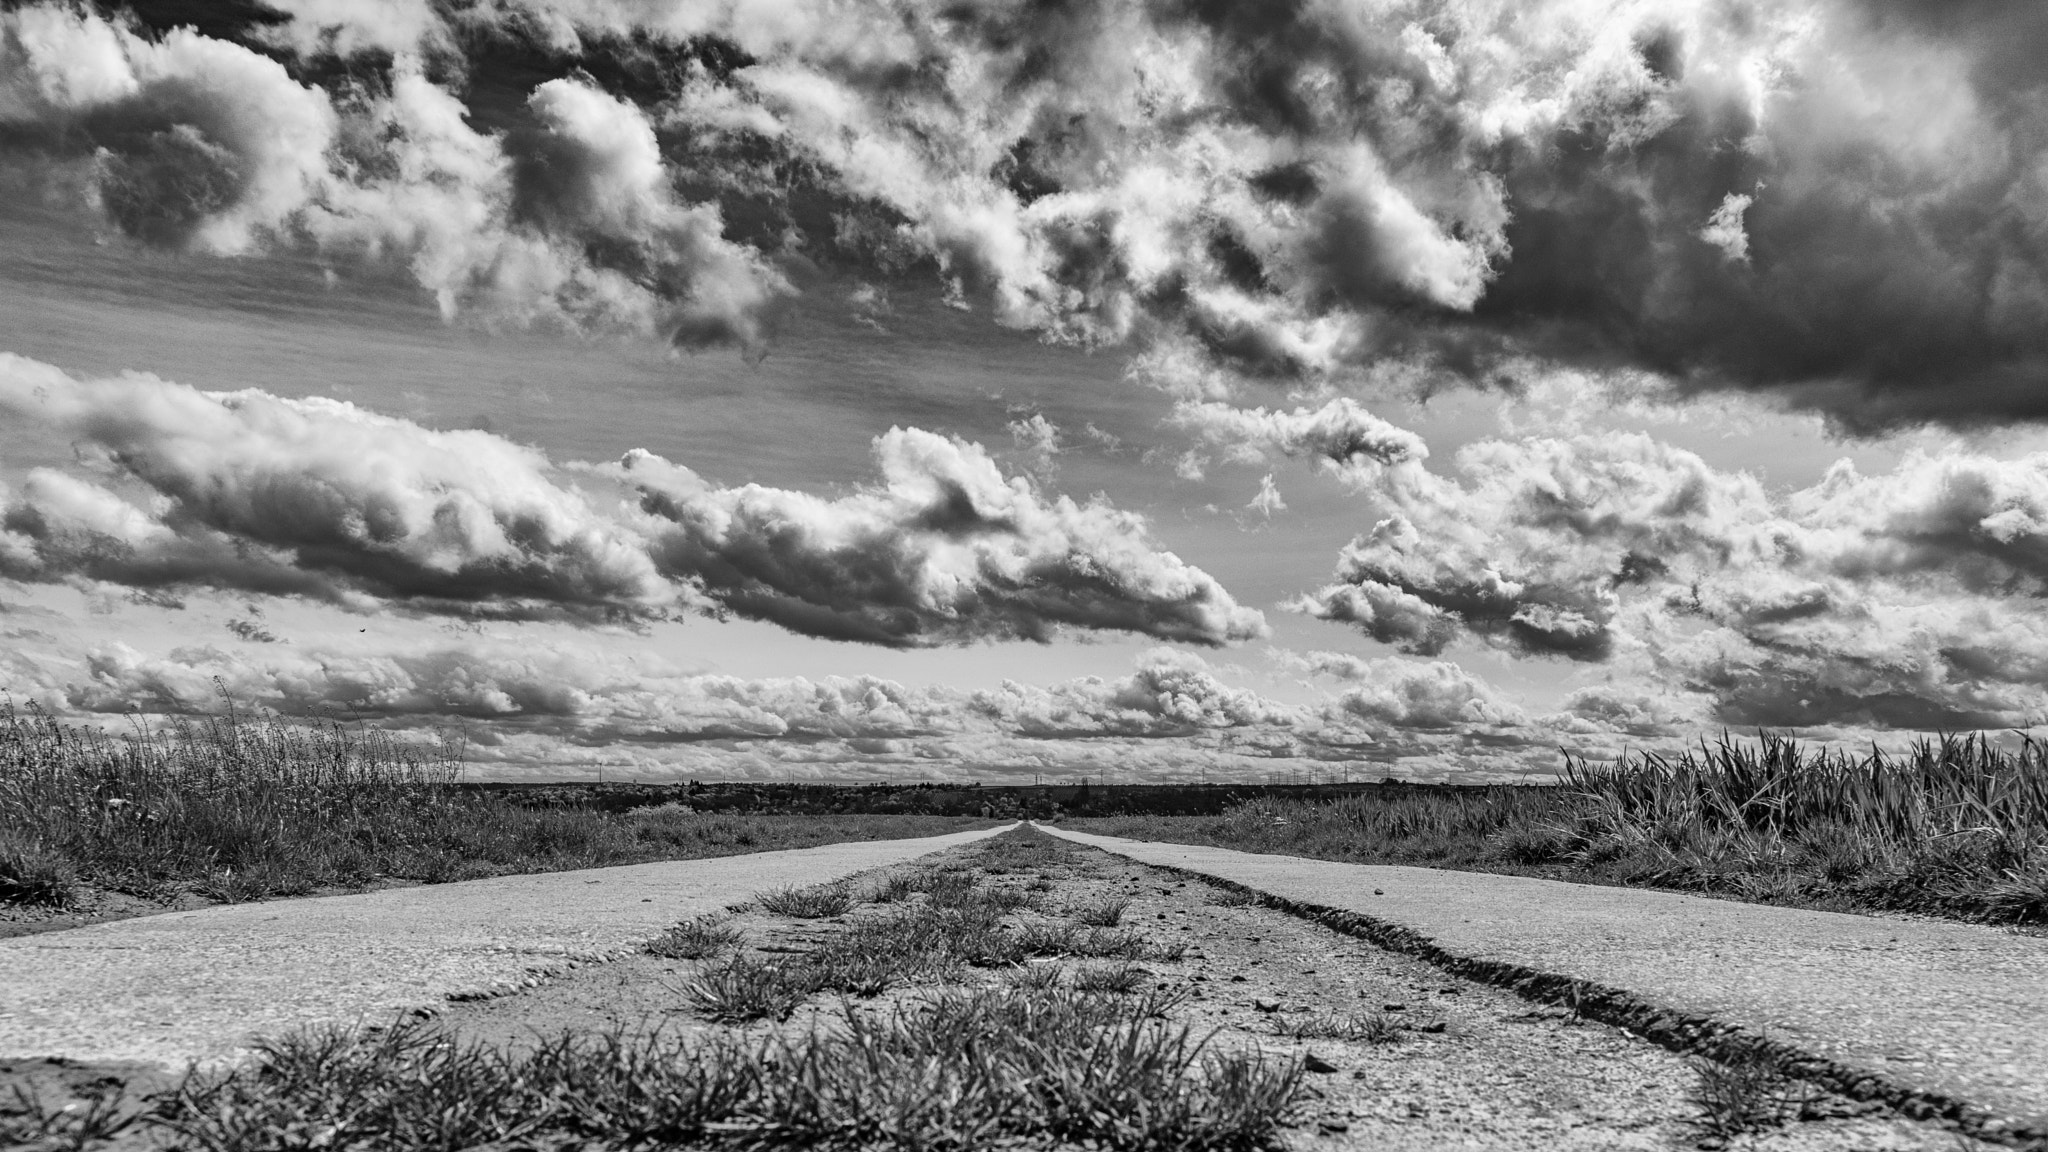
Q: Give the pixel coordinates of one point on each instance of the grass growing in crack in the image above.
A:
(1099, 914)
(957, 1072)
(743, 990)
(1111, 978)
(1361, 1027)
(817, 902)
(1744, 1094)
(1955, 827)
(1036, 977)
(234, 808)
(698, 939)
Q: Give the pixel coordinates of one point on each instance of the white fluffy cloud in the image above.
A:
(321, 498)
(1909, 599)
(553, 708)
(944, 549)
(1340, 436)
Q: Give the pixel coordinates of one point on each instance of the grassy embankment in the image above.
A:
(1957, 827)
(232, 809)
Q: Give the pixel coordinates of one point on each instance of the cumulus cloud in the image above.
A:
(1831, 198)
(1341, 436)
(1909, 599)
(189, 141)
(556, 707)
(944, 549)
(321, 498)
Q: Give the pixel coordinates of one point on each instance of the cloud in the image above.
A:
(1341, 436)
(199, 143)
(1914, 598)
(320, 498)
(562, 708)
(944, 549)
(334, 500)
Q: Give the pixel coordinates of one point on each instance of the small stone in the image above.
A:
(1335, 1126)
(1393, 1007)
(1432, 1026)
(1265, 1005)
(1237, 979)
(1315, 1063)
(1379, 891)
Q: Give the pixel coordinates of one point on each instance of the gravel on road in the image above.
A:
(196, 986)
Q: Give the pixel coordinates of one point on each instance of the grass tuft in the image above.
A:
(1111, 978)
(32, 874)
(698, 939)
(1099, 914)
(1363, 1028)
(817, 902)
(743, 990)
(1744, 1094)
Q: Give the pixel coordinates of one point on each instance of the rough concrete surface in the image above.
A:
(196, 986)
(1949, 1008)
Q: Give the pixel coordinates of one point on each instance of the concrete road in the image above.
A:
(188, 986)
(1955, 1010)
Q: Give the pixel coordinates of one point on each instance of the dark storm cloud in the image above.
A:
(1836, 201)
(189, 141)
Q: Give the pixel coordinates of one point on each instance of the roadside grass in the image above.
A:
(958, 1070)
(1955, 827)
(232, 808)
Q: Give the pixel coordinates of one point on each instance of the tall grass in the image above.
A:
(239, 808)
(1955, 826)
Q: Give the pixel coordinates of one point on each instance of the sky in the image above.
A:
(1145, 390)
